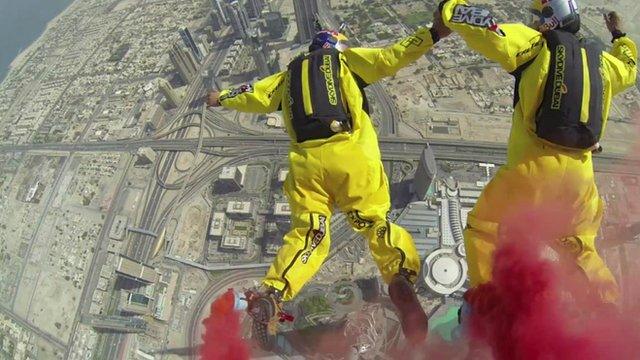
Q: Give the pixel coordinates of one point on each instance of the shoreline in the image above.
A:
(19, 60)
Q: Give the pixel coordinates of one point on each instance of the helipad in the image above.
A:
(445, 271)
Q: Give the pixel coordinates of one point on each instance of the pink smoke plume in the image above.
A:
(222, 339)
(538, 309)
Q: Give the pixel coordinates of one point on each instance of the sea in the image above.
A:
(21, 23)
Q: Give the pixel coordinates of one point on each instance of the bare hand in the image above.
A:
(213, 98)
(613, 21)
(439, 26)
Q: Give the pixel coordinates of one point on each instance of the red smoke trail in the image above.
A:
(525, 313)
(222, 338)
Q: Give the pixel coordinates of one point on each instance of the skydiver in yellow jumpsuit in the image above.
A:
(335, 161)
(557, 124)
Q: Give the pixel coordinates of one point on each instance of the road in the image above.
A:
(390, 146)
(55, 342)
(390, 116)
(206, 296)
(165, 163)
(140, 246)
(100, 254)
(244, 145)
(52, 195)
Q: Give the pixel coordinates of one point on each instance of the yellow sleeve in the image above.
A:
(373, 64)
(510, 45)
(264, 96)
(621, 64)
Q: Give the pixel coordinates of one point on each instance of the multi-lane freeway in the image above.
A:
(241, 146)
(390, 146)
(139, 245)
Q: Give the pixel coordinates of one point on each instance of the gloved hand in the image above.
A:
(440, 29)
(213, 98)
(614, 24)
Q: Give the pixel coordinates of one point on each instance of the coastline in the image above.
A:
(24, 55)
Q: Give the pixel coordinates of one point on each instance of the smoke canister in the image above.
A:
(240, 302)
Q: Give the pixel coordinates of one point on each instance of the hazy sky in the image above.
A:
(21, 22)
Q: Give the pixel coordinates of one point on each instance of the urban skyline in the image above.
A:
(127, 206)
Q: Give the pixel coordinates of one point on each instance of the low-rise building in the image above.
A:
(282, 175)
(217, 226)
(282, 209)
(240, 208)
(118, 228)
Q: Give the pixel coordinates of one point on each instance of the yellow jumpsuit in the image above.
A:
(344, 170)
(538, 174)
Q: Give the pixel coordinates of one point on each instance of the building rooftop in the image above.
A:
(136, 270)
(218, 221)
(282, 175)
(118, 228)
(231, 242)
(228, 172)
(136, 303)
(239, 207)
(282, 209)
(423, 223)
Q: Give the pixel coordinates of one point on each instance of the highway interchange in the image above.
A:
(243, 146)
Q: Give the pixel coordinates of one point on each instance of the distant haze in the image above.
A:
(21, 23)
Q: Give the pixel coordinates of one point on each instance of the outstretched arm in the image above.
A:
(373, 64)
(621, 61)
(262, 97)
(510, 45)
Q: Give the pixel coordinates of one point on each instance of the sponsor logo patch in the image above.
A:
(358, 222)
(327, 70)
(316, 239)
(381, 233)
(411, 41)
(247, 88)
(476, 16)
(559, 87)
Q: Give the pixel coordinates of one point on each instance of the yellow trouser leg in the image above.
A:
(305, 248)
(391, 246)
(307, 243)
(366, 203)
(480, 240)
(545, 184)
(580, 248)
(596, 270)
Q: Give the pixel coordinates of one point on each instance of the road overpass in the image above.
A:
(454, 150)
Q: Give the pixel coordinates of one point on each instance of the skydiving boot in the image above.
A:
(414, 321)
(265, 308)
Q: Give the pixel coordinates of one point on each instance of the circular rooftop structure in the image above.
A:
(445, 271)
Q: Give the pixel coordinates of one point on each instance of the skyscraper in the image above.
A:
(230, 179)
(260, 54)
(215, 20)
(305, 11)
(172, 98)
(186, 36)
(275, 24)
(239, 20)
(183, 61)
(425, 174)
(254, 8)
(217, 5)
